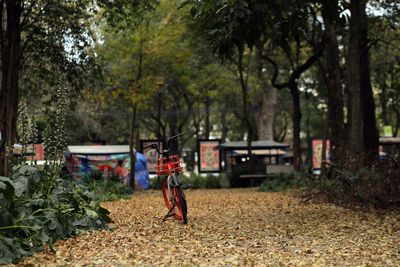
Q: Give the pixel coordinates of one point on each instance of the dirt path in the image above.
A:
(232, 227)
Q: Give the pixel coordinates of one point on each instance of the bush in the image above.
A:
(95, 175)
(109, 189)
(196, 181)
(377, 185)
(35, 212)
(156, 183)
(214, 181)
(38, 207)
(285, 181)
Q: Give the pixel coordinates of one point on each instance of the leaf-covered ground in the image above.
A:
(232, 227)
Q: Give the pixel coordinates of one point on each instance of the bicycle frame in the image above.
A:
(170, 165)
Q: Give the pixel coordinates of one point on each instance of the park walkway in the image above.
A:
(232, 227)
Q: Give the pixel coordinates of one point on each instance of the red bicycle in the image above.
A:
(172, 189)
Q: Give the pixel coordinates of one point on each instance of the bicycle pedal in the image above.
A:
(186, 186)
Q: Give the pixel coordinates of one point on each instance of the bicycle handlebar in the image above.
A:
(155, 146)
(175, 136)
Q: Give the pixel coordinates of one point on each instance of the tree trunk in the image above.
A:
(294, 91)
(355, 118)
(381, 77)
(324, 148)
(137, 136)
(10, 13)
(132, 153)
(246, 115)
(308, 161)
(265, 114)
(224, 127)
(363, 134)
(370, 131)
(334, 81)
(397, 125)
(207, 128)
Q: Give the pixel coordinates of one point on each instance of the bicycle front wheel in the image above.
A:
(174, 197)
(182, 203)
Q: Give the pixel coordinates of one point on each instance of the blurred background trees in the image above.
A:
(235, 70)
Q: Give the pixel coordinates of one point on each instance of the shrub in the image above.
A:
(34, 213)
(196, 181)
(156, 183)
(109, 189)
(285, 181)
(378, 185)
(38, 207)
(214, 181)
(95, 175)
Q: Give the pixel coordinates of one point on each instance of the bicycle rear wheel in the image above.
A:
(175, 196)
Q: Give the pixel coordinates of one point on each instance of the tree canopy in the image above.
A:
(209, 68)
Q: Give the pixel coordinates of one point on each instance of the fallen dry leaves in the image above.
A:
(232, 227)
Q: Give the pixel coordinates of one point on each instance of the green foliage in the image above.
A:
(285, 181)
(34, 213)
(109, 190)
(156, 183)
(196, 181)
(227, 24)
(213, 181)
(54, 38)
(95, 175)
(37, 206)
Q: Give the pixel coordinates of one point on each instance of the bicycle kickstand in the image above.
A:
(169, 214)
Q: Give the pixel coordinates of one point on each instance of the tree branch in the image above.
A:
(275, 75)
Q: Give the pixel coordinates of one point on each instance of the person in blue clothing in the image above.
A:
(141, 172)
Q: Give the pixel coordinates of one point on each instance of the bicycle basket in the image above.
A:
(162, 166)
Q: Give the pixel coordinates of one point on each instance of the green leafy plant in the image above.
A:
(38, 207)
(109, 190)
(31, 216)
(214, 181)
(156, 183)
(196, 181)
(285, 181)
(210, 181)
(55, 139)
(95, 175)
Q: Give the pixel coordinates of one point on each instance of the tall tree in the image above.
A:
(293, 85)
(31, 32)
(10, 34)
(333, 80)
(238, 23)
(265, 102)
(363, 133)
